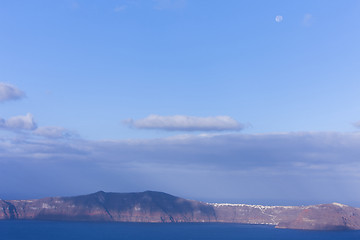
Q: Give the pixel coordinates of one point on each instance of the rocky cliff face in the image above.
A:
(161, 207)
(333, 216)
(124, 207)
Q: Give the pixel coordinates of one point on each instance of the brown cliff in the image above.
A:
(123, 207)
(152, 206)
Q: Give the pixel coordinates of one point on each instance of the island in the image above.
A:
(159, 207)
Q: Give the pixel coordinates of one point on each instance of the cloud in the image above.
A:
(292, 152)
(9, 92)
(53, 132)
(278, 165)
(169, 4)
(278, 18)
(26, 124)
(186, 123)
(19, 123)
(74, 5)
(307, 20)
(357, 124)
(119, 8)
(281, 153)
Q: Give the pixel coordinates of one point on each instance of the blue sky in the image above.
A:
(237, 101)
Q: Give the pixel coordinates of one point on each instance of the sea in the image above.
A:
(47, 230)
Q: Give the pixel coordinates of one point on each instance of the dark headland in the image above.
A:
(160, 207)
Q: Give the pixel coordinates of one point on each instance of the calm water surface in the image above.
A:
(41, 230)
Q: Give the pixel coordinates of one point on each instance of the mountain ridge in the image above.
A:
(159, 207)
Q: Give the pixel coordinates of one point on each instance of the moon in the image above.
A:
(278, 18)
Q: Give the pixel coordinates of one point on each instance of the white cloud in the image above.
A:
(278, 18)
(186, 123)
(9, 92)
(27, 123)
(53, 132)
(19, 123)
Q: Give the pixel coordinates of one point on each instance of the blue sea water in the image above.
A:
(44, 230)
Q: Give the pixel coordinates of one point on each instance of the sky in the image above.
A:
(219, 101)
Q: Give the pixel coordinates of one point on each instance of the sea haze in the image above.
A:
(45, 230)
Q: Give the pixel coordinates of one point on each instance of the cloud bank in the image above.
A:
(9, 92)
(53, 132)
(279, 165)
(186, 123)
(278, 153)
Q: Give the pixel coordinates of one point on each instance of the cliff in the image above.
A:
(159, 207)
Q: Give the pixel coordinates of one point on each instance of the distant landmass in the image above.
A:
(158, 207)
